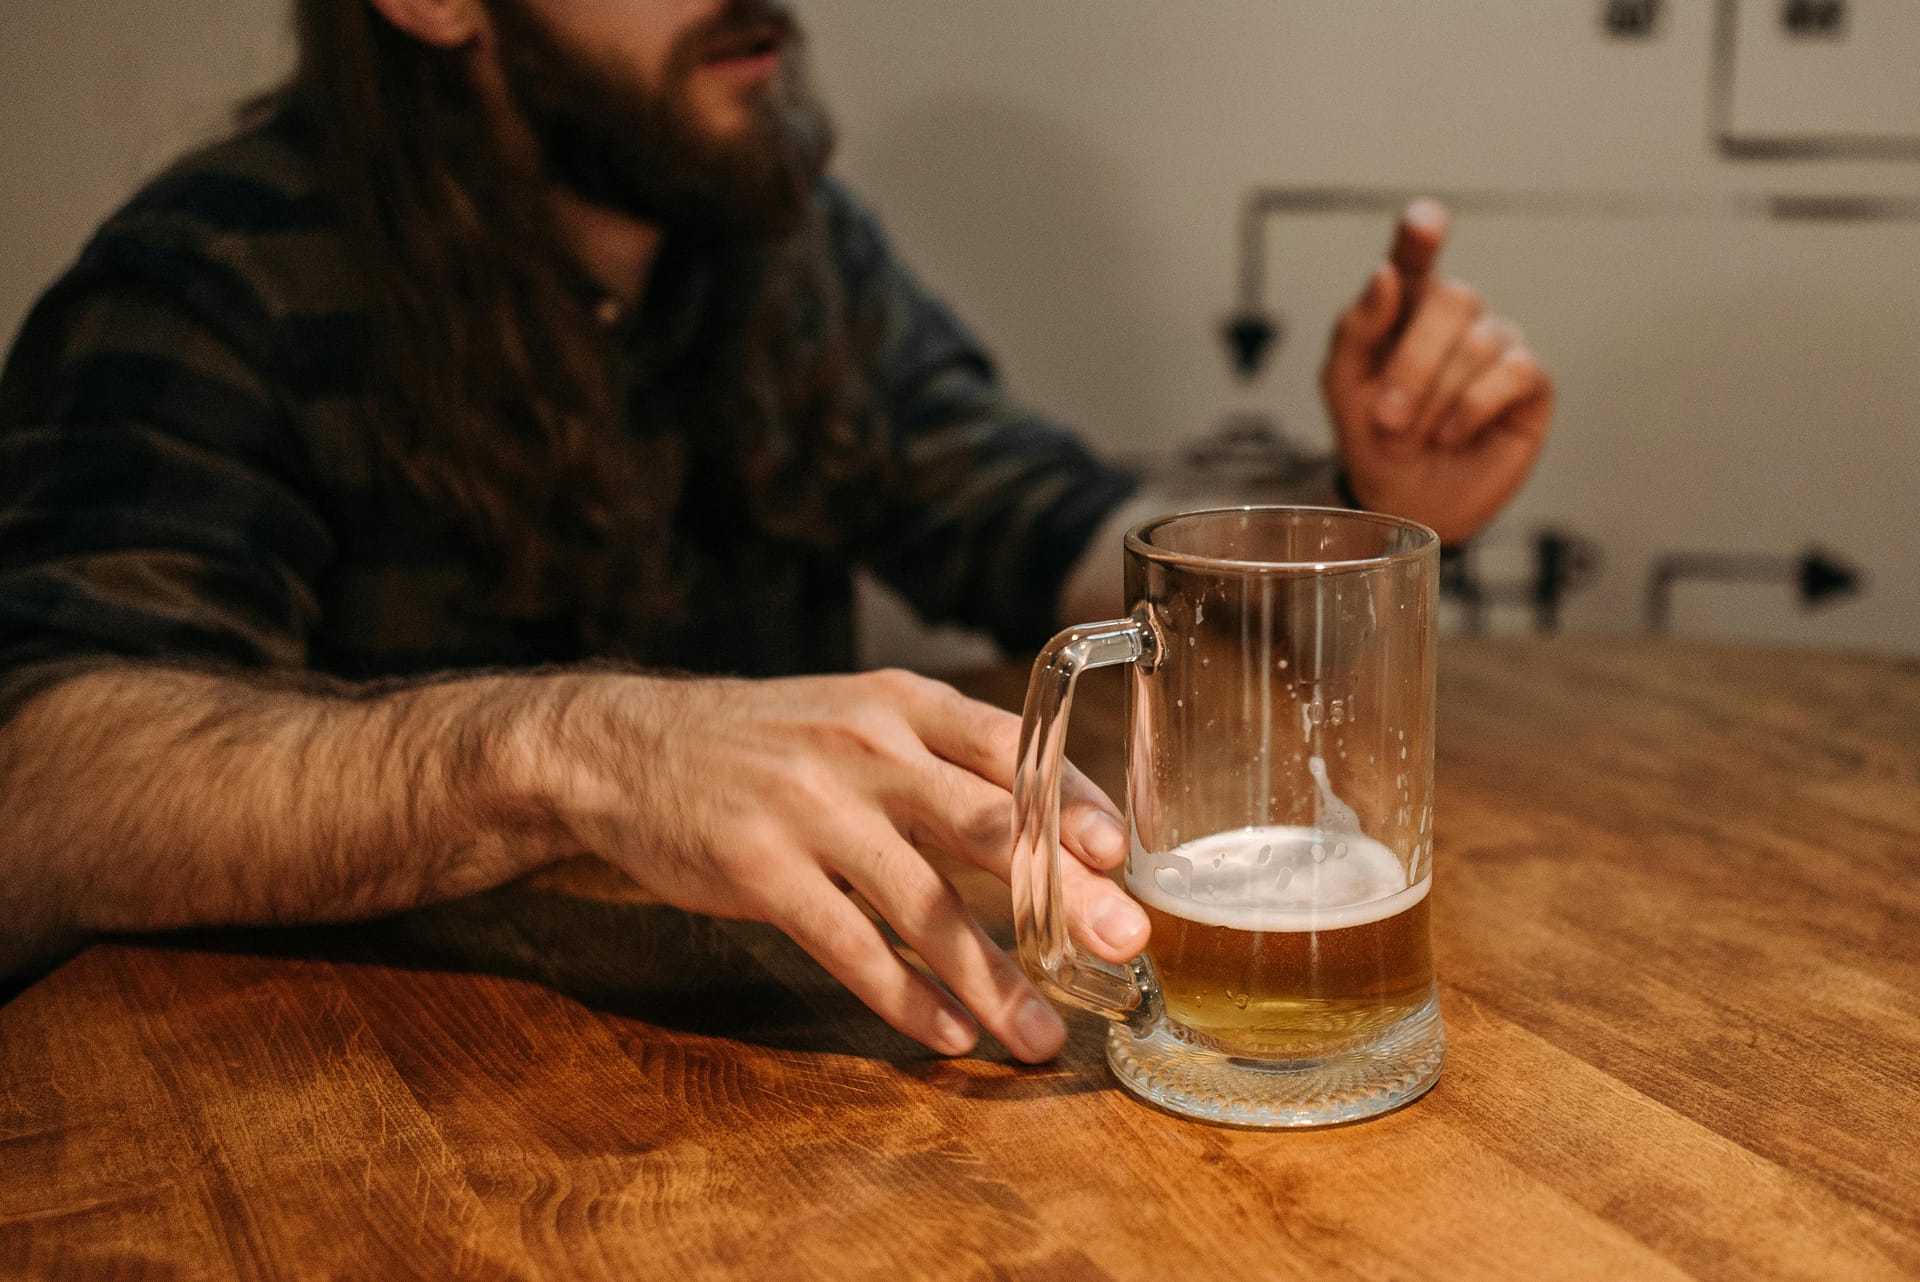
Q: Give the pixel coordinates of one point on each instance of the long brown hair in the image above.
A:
(490, 382)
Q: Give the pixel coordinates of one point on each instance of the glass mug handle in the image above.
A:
(1124, 993)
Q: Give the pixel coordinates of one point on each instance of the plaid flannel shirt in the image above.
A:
(188, 470)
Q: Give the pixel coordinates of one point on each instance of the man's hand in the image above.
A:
(1440, 407)
(771, 800)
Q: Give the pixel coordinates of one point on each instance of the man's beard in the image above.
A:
(637, 149)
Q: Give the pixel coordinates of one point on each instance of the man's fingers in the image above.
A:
(933, 920)
(956, 812)
(1353, 354)
(985, 740)
(1527, 421)
(942, 807)
(1090, 824)
(1439, 324)
(819, 918)
(972, 735)
(1513, 392)
(1368, 332)
(1102, 917)
(1094, 835)
(1417, 240)
(1368, 319)
(1476, 353)
(977, 739)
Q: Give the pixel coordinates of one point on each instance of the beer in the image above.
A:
(1285, 942)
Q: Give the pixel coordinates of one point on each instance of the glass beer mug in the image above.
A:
(1280, 798)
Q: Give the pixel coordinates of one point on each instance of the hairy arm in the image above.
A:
(144, 797)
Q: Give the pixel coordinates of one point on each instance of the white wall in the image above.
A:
(1068, 171)
(97, 95)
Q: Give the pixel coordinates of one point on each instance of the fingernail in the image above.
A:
(1039, 1027)
(1426, 212)
(1394, 410)
(1120, 924)
(952, 1035)
(1103, 836)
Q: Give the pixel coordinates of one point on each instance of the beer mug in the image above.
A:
(1280, 799)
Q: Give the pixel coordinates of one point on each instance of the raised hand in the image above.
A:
(1439, 406)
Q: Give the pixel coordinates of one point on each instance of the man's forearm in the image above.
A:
(145, 797)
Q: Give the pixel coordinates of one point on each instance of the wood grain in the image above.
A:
(1677, 923)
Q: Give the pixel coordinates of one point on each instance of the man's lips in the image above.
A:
(747, 58)
(748, 46)
(748, 66)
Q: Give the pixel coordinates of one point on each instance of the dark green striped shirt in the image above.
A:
(188, 470)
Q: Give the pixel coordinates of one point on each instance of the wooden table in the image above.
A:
(1678, 933)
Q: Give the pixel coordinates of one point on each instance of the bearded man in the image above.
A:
(374, 482)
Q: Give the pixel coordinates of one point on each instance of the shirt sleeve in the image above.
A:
(151, 491)
(990, 505)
